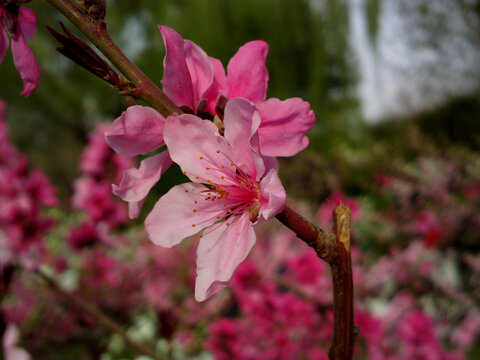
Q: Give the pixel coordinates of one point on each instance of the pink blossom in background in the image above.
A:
(324, 214)
(240, 192)
(99, 161)
(95, 198)
(23, 196)
(468, 331)
(87, 234)
(198, 82)
(11, 351)
(100, 166)
(20, 24)
(429, 227)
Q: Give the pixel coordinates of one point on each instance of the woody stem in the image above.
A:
(333, 247)
(96, 31)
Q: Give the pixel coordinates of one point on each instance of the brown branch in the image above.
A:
(101, 319)
(333, 247)
(96, 31)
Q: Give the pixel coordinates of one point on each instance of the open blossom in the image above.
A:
(198, 83)
(20, 24)
(239, 192)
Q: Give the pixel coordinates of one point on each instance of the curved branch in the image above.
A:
(333, 247)
(96, 32)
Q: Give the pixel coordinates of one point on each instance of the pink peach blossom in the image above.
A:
(199, 84)
(240, 192)
(20, 24)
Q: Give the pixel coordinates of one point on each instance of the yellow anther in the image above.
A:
(207, 168)
(195, 201)
(184, 173)
(209, 181)
(196, 177)
(193, 225)
(194, 210)
(218, 151)
(201, 236)
(223, 167)
(233, 164)
(186, 190)
(201, 157)
(223, 177)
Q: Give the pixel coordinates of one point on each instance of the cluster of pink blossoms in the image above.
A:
(23, 196)
(99, 166)
(225, 143)
(19, 23)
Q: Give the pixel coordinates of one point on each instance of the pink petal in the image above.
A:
(173, 216)
(134, 208)
(241, 124)
(138, 130)
(218, 87)
(270, 163)
(247, 74)
(177, 80)
(27, 21)
(3, 39)
(273, 195)
(25, 63)
(198, 148)
(219, 253)
(11, 350)
(283, 126)
(136, 183)
(200, 68)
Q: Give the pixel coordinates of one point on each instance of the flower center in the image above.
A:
(238, 194)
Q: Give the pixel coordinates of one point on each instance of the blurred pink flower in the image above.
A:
(468, 331)
(23, 195)
(429, 227)
(95, 198)
(20, 24)
(11, 350)
(86, 235)
(240, 192)
(99, 161)
(198, 83)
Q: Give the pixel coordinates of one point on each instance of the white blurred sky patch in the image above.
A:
(424, 53)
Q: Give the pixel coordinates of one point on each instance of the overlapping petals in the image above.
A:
(191, 77)
(235, 196)
(138, 131)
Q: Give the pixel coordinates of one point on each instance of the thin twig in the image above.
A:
(96, 32)
(97, 315)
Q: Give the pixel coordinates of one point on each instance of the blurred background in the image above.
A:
(395, 86)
